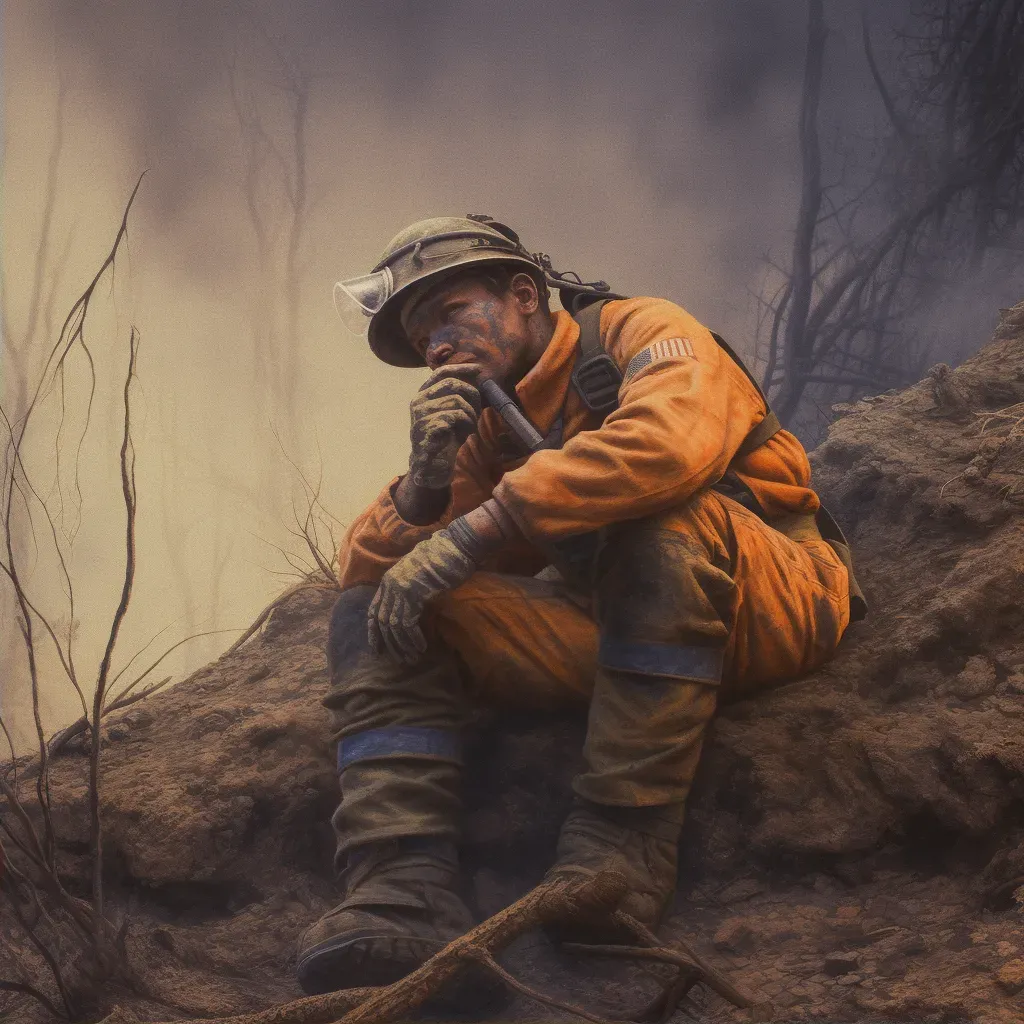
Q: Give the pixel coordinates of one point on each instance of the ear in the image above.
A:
(524, 289)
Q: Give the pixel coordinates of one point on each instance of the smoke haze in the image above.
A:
(650, 144)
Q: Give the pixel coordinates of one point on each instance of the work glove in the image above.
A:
(444, 413)
(435, 565)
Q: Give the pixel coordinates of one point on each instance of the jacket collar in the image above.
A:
(541, 393)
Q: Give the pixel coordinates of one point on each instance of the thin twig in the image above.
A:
(684, 956)
(29, 990)
(130, 687)
(485, 958)
(257, 623)
(41, 947)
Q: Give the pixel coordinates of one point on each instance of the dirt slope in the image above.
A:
(855, 841)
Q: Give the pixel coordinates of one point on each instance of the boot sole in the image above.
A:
(374, 959)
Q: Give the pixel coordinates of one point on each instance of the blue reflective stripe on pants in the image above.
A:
(399, 741)
(703, 664)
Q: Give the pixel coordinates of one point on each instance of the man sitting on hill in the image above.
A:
(690, 563)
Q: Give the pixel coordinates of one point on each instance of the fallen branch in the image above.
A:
(685, 957)
(1012, 413)
(697, 969)
(561, 899)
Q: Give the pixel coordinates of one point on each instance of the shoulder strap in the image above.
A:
(589, 319)
(595, 376)
(732, 354)
(759, 434)
(833, 536)
(770, 425)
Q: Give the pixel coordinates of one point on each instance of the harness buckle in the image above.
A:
(597, 380)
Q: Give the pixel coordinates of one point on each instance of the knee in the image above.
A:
(347, 634)
(655, 575)
(642, 576)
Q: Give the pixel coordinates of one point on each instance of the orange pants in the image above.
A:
(784, 605)
(679, 609)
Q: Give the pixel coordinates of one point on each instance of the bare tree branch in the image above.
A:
(897, 120)
(63, 929)
(128, 493)
(950, 167)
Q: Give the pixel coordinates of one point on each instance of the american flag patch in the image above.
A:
(667, 348)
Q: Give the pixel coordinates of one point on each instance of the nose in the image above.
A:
(438, 351)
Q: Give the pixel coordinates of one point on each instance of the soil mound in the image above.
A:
(856, 840)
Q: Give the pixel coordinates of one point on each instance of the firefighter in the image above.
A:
(659, 547)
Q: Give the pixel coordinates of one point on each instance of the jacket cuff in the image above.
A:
(393, 527)
(507, 507)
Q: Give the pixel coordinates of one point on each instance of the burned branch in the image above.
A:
(561, 899)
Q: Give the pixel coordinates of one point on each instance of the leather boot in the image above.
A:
(399, 764)
(640, 843)
(400, 908)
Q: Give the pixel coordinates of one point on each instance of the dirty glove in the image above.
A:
(444, 414)
(435, 565)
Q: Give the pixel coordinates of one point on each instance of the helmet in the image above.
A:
(421, 256)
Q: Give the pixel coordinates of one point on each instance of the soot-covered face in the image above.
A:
(465, 324)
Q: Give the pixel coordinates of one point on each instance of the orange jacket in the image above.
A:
(680, 421)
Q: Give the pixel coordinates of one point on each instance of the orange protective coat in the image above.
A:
(679, 424)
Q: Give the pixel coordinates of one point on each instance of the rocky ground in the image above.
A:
(855, 848)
